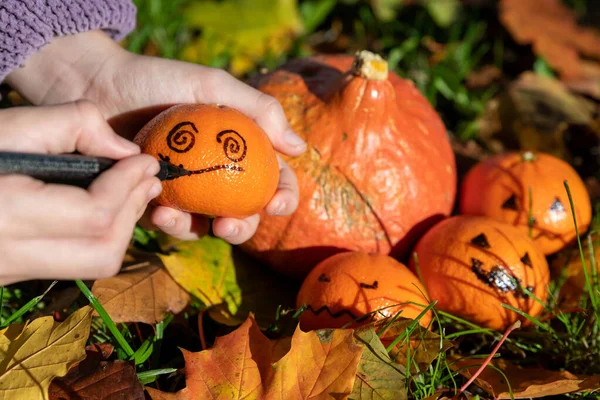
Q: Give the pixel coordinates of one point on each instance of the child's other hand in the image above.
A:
(131, 89)
(52, 231)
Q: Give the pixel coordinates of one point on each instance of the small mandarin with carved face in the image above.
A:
(471, 265)
(347, 286)
(232, 168)
(499, 187)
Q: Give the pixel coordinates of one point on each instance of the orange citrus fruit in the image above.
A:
(527, 188)
(472, 265)
(362, 287)
(232, 166)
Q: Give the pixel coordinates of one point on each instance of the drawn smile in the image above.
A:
(181, 140)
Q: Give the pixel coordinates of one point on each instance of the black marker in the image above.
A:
(70, 169)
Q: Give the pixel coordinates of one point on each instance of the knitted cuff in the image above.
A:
(28, 25)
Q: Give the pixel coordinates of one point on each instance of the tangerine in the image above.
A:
(526, 189)
(232, 167)
(357, 287)
(472, 264)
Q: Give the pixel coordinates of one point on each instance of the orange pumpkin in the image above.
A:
(349, 286)
(378, 171)
(498, 187)
(471, 265)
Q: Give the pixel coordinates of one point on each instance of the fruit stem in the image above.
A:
(370, 66)
(528, 156)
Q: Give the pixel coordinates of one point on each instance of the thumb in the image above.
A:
(62, 128)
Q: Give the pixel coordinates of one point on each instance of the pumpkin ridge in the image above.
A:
(371, 209)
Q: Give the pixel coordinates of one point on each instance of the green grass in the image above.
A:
(569, 341)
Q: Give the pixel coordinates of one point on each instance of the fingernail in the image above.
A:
(234, 231)
(278, 208)
(153, 169)
(170, 223)
(154, 190)
(294, 140)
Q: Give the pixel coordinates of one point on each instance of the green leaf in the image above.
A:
(315, 12)
(228, 282)
(205, 269)
(244, 31)
(443, 12)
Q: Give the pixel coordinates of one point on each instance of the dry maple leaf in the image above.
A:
(97, 379)
(44, 349)
(525, 382)
(378, 377)
(551, 28)
(425, 346)
(245, 364)
(141, 293)
(540, 114)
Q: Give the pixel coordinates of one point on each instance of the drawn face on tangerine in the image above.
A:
(228, 166)
(182, 139)
(347, 287)
(527, 190)
(472, 265)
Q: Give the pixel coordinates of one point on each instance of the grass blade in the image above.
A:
(147, 377)
(23, 310)
(588, 283)
(110, 324)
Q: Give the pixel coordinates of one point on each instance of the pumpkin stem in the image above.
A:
(528, 156)
(370, 66)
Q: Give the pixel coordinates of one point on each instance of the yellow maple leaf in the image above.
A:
(42, 350)
(244, 31)
(205, 268)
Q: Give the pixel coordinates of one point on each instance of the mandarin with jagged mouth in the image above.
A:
(354, 288)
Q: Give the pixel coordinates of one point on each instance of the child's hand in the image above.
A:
(52, 231)
(131, 89)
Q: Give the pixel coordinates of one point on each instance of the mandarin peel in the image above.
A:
(350, 289)
(525, 190)
(232, 168)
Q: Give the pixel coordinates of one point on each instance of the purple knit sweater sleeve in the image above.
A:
(28, 25)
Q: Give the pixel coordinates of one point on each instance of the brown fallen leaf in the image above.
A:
(483, 77)
(588, 85)
(97, 379)
(525, 382)
(244, 364)
(551, 28)
(39, 352)
(425, 346)
(144, 292)
(540, 114)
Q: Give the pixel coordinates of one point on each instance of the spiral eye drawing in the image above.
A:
(182, 139)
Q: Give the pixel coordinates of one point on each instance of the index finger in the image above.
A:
(264, 109)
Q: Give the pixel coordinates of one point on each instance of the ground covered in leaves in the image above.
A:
(192, 320)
